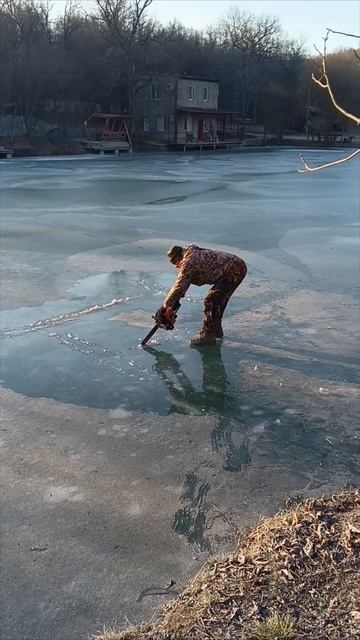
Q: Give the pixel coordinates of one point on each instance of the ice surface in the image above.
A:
(172, 440)
(109, 223)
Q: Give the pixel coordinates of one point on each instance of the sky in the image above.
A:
(304, 20)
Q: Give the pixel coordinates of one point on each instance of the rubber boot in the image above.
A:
(203, 339)
(217, 331)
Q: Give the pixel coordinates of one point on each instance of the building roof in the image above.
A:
(185, 77)
(176, 76)
(208, 112)
(108, 115)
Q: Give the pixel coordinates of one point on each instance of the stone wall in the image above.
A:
(154, 109)
(198, 87)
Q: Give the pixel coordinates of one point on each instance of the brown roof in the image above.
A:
(108, 115)
(209, 112)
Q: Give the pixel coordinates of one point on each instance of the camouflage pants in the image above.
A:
(219, 295)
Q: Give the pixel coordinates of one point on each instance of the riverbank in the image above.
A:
(43, 147)
(295, 575)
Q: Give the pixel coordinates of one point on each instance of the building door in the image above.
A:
(201, 130)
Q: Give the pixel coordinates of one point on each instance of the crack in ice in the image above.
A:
(66, 317)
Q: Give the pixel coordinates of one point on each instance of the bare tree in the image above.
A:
(70, 21)
(251, 34)
(255, 39)
(32, 19)
(125, 19)
(130, 31)
(323, 81)
(29, 58)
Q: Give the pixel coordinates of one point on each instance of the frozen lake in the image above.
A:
(185, 445)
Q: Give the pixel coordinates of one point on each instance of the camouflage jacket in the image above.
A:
(201, 266)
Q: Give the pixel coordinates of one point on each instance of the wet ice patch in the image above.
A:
(89, 286)
(176, 490)
(134, 509)
(134, 318)
(63, 494)
(260, 427)
(306, 330)
(120, 413)
(154, 245)
(350, 240)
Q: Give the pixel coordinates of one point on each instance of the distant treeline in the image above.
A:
(61, 70)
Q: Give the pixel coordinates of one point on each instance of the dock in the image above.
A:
(230, 145)
(6, 153)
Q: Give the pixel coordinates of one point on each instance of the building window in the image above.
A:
(190, 92)
(146, 124)
(205, 93)
(160, 123)
(187, 123)
(155, 92)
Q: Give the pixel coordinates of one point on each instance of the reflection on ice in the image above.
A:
(214, 398)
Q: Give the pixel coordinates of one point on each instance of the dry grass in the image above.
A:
(274, 628)
(295, 574)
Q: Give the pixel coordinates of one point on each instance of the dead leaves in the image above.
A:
(302, 564)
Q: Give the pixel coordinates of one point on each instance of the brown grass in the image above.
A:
(294, 576)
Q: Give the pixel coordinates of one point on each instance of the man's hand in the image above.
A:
(165, 317)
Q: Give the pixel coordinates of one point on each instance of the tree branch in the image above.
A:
(341, 33)
(324, 83)
(308, 168)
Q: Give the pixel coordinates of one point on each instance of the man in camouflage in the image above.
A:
(224, 271)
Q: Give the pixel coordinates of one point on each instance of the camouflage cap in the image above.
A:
(175, 253)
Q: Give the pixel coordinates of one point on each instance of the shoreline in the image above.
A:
(293, 575)
(40, 149)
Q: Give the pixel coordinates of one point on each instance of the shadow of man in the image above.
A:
(216, 398)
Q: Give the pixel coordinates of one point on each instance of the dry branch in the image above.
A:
(324, 82)
(308, 168)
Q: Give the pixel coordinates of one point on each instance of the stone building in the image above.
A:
(177, 110)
